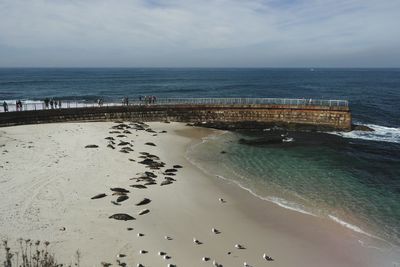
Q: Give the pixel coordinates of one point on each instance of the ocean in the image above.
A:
(351, 178)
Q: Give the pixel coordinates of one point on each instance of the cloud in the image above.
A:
(199, 33)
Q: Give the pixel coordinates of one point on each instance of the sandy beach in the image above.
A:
(48, 178)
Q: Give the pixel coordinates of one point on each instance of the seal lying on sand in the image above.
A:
(139, 186)
(99, 196)
(122, 198)
(142, 212)
(91, 146)
(119, 189)
(144, 202)
(121, 217)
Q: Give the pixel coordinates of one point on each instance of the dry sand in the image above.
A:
(47, 179)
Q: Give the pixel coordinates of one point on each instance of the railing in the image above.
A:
(181, 101)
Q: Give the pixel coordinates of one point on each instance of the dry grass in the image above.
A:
(32, 254)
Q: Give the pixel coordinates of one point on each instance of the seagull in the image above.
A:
(215, 231)
(143, 251)
(267, 258)
(167, 237)
(166, 257)
(205, 259)
(196, 241)
(171, 265)
(216, 264)
(245, 264)
(238, 246)
(161, 253)
(140, 265)
(140, 234)
(222, 200)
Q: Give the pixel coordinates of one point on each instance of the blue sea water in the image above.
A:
(352, 178)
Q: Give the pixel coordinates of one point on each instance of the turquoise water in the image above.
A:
(318, 174)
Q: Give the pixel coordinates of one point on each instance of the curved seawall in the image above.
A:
(218, 116)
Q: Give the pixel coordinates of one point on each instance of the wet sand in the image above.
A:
(48, 177)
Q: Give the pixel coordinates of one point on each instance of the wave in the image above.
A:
(380, 133)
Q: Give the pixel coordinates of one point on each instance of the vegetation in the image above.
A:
(31, 254)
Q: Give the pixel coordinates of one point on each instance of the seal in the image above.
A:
(145, 211)
(121, 217)
(145, 201)
(122, 198)
(119, 189)
(99, 196)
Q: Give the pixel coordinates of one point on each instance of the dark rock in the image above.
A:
(91, 146)
(99, 196)
(121, 217)
(363, 128)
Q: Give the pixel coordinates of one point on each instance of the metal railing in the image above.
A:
(29, 106)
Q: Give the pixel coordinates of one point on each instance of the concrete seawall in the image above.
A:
(217, 116)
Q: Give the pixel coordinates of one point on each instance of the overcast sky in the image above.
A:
(200, 33)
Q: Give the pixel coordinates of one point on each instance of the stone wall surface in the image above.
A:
(218, 116)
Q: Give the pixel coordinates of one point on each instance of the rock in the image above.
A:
(99, 196)
(150, 144)
(121, 217)
(91, 146)
(363, 128)
(145, 201)
(145, 211)
(119, 189)
(122, 198)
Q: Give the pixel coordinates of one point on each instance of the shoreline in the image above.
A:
(292, 239)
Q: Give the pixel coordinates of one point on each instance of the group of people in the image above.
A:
(148, 99)
(18, 106)
(51, 103)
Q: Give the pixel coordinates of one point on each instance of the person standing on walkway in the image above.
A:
(59, 103)
(5, 106)
(46, 103)
(52, 103)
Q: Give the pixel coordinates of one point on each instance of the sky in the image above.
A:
(200, 33)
